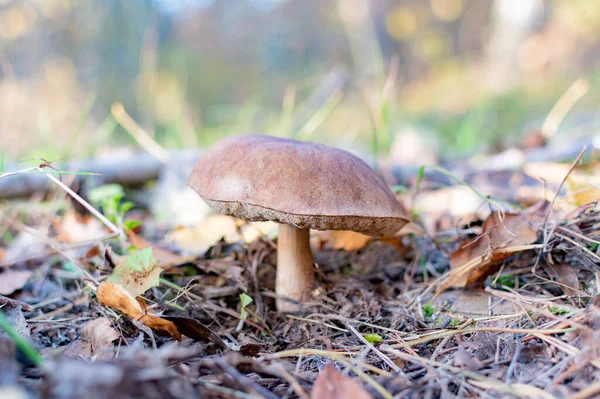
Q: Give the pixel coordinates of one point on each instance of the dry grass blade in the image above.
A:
(383, 357)
(490, 383)
(438, 335)
(351, 363)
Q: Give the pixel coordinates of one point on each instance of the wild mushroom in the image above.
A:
(301, 186)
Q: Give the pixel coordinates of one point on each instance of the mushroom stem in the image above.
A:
(295, 272)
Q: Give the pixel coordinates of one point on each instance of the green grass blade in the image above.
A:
(28, 350)
(319, 116)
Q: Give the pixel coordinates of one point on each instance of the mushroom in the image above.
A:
(301, 186)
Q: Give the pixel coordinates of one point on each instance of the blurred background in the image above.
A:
(459, 76)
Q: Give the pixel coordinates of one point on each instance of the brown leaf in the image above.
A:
(77, 228)
(478, 257)
(331, 384)
(13, 280)
(567, 277)
(199, 238)
(117, 297)
(342, 239)
(463, 359)
(197, 331)
(251, 350)
(96, 337)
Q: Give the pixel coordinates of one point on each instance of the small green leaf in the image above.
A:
(428, 310)
(245, 300)
(132, 224)
(373, 338)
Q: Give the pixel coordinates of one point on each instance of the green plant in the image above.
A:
(506, 281)
(373, 338)
(109, 197)
(428, 310)
(558, 311)
(245, 300)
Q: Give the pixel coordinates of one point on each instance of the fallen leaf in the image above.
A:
(251, 350)
(24, 244)
(331, 384)
(195, 330)
(117, 297)
(164, 258)
(74, 227)
(342, 239)
(566, 275)
(199, 238)
(478, 257)
(463, 359)
(137, 272)
(96, 337)
(14, 316)
(583, 187)
(13, 280)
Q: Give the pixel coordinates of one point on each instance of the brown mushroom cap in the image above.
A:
(307, 185)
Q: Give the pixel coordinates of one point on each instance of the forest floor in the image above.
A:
(499, 303)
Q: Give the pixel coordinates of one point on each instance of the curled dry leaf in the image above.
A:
(13, 280)
(331, 384)
(117, 297)
(478, 257)
(195, 330)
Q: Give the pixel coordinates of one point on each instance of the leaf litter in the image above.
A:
(519, 320)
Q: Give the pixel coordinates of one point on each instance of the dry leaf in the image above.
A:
(117, 297)
(165, 258)
(199, 238)
(501, 237)
(195, 330)
(463, 359)
(341, 239)
(583, 188)
(331, 384)
(137, 272)
(566, 275)
(23, 245)
(96, 337)
(78, 228)
(13, 280)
